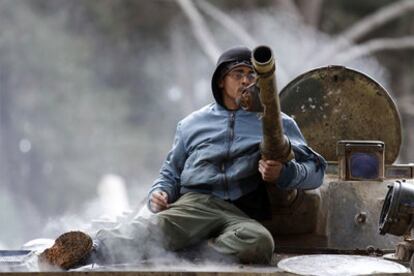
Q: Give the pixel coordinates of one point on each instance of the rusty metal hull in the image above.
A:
(338, 215)
(191, 269)
(161, 268)
(202, 270)
(337, 103)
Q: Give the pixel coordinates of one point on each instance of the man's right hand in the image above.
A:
(159, 201)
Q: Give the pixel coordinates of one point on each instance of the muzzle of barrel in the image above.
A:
(263, 60)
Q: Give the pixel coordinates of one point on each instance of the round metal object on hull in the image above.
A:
(324, 265)
(337, 103)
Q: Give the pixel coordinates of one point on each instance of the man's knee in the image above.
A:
(173, 237)
(250, 242)
(259, 251)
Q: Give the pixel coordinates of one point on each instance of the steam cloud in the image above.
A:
(94, 109)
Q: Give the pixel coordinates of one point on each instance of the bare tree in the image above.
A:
(375, 45)
(228, 23)
(290, 7)
(183, 76)
(223, 19)
(311, 11)
(200, 30)
(361, 28)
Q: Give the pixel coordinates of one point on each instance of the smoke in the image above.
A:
(65, 125)
(81, 105)
(113, 195)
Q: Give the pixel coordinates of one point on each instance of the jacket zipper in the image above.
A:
(232, 116)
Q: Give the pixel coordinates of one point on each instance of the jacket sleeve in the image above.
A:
(170, 173)
(307, 169)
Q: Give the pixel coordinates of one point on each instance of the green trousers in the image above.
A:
(192, 219)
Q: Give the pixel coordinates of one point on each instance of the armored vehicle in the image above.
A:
(366, 203)
(353, 122)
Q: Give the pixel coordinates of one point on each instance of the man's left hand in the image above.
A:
(270, 169)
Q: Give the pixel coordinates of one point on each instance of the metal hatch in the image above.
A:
(337, 103)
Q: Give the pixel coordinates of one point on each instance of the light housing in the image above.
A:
(360, 160)
(397, 214)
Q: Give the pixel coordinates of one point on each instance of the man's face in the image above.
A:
(234, 82)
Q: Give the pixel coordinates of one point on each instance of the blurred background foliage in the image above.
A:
(89, 88)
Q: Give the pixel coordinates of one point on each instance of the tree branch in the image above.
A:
(375, 45)
(406, 105)
(200, 30)
(227, 22)
(311, 11)
(363, 27)
(377, 19)
(290, 7)
(236, 29)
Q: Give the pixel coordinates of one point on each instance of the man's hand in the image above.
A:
(270, 169)
(159, 201)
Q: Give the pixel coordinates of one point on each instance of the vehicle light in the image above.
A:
(397, 218)
(360, 160)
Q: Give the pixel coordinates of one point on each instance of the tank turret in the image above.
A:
(353, 122)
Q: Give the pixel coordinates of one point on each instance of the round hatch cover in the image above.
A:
(337, 103)
(324, 265)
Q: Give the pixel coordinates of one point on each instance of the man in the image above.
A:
(211, 188)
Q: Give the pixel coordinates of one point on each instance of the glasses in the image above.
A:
(238, 75)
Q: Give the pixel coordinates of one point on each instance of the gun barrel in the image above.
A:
(275, 145)
(263, 60)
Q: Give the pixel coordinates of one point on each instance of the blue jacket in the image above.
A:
(216, 151)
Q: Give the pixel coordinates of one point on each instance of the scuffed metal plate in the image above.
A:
(325, 265)
(337, 103)
(13, 257)
(15, 260)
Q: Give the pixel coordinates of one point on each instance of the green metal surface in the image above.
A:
(337, 103)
